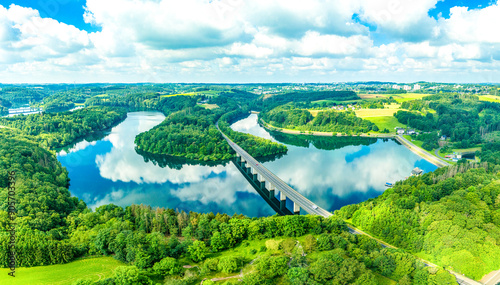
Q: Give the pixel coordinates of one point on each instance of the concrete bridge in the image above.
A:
(272, 184)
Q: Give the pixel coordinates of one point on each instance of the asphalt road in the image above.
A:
(417, 150)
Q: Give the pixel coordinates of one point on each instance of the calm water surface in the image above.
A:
(109, 170)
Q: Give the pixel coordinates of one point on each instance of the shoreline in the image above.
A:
(412, 147)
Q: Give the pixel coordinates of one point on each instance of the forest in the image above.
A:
(56, 130)
(310, 96)
(462, 118)
(451, 215)
(189, 133)
(325, 121)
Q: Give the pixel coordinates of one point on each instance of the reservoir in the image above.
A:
(331, 172)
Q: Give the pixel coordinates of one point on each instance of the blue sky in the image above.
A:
(249, 41)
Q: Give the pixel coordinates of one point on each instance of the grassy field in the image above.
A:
(462, 150)
(387, 122)
(387, 112)
(209, 106)
(92, 268)
(415, 142)
(183, 94)
(490, 98)
(408, 97)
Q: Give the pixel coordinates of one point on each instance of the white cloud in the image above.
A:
(477, 25)
(243, 40)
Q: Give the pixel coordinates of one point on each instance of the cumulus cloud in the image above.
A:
(243, 40)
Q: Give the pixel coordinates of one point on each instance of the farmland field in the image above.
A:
(91, 268)
(386, 122)
(490, 98)
(368, 113)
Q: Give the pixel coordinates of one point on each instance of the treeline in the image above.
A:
(255, 146)
(462, 118)
(56, 130)
(4, 107)
(189, 133)
(311, 96)
(22, 95)
(43, 203)
(325, 121)
(451, 215)
(321, 142)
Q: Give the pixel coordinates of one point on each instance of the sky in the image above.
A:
(249, 41)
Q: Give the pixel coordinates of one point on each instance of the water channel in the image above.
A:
(332, 172)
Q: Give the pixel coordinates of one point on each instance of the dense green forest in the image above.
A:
(188, 133)
(281, 99)
(255, 146)
(320, 142)
(60, 129)
(462, 118)
(20, 95)
(451, 215)
(289, 117)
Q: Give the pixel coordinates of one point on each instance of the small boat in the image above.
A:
(387, 184)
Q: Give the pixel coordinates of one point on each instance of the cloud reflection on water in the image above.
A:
(134, 181)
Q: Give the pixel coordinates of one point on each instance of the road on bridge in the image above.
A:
(279, 184)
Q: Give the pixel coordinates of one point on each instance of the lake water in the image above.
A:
(329, 171)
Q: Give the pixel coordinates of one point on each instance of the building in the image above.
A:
(416, 172)
(395, 86)
(411, 132)
(417, 87)
(400, 131)
(407, 88)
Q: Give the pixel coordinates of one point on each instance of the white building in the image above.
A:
(417, 87)
(407, 88)
(395, 86)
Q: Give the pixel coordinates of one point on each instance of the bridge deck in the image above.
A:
(279, 184)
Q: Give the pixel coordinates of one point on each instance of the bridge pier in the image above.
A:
(296, 209)
(255, 174)
(271, 194)
(282, 200)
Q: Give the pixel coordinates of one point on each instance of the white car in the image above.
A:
(315, 207)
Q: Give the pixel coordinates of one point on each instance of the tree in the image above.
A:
(217, 242)
(310, 243)
(228, 264)
(167, 266)
(125, 275)
(198, 251)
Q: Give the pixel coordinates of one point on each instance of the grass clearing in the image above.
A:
(400, 98)
(382, 280)
(467, 150)
(209, 106)
(181, 94)
(387, 122)
(490, 98)
(90, 268)
(388, 111)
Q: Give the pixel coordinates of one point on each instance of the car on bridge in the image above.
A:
(315, 207)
